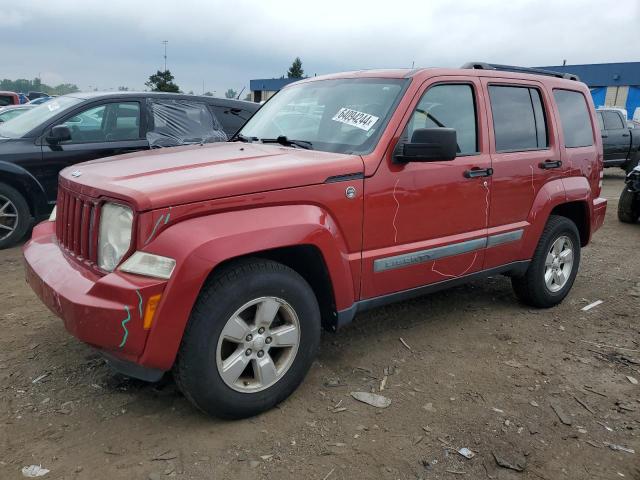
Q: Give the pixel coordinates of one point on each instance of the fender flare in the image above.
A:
(548, 197)
(551, 195)
(27, 185)
(201, 244)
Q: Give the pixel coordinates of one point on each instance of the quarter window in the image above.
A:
(600, 121)
(518, 118)
(574, 117)
(448, 106)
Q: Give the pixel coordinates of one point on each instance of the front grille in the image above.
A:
(77, 225)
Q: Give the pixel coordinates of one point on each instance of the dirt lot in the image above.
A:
(482, 372)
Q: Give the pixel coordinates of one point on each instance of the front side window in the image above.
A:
(518, 118)
(341, 115)
(5, 100)
(612, 120)
(574, 118)
(448, 106)
(109, 122)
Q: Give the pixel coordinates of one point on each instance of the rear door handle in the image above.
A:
(625, 134)
(605, 136)
(550, 164)
(478, 172)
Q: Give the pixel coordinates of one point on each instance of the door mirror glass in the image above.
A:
(59, 133)
(430, 145)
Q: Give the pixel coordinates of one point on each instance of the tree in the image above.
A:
(247, 97)
(231, 93)
(24, 85)
(208, 94)
(162, 82)
(296, 70)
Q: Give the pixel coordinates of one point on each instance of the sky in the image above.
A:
(107, 44)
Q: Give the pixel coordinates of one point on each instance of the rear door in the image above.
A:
(99, 130)
(616, 137)
(525, 155)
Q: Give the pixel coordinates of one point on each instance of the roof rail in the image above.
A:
(512, 68)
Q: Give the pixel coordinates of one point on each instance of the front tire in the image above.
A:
(252, 336)
(554, 265)
(628, 206)
(15, 217)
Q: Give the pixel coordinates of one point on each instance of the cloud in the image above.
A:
(225, 44)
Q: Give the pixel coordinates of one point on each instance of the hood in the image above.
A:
(174, 176)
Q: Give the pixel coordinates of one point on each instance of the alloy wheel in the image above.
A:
(258, 344)
(8, 217)
(558, 264)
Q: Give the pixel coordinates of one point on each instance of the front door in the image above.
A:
(426, 222)
(98, 131)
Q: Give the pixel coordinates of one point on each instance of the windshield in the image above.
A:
(343, 116)
(23, 124)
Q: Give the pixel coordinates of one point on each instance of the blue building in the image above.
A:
(611, 84)
(263, 89)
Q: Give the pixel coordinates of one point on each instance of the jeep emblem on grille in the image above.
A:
(76, 173)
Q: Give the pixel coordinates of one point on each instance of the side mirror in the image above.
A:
(59, 133)
(430, 145)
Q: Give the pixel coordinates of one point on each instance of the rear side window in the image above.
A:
(518, 118)
(575, 119)
(182, 122)
(612, 120)
(5, 100)
(448, 106)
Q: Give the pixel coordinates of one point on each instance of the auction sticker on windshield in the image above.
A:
(361, 120)
(53, 106)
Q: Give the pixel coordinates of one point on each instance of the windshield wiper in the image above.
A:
(282, 140)
(238, 137)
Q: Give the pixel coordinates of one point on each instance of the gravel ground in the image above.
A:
(545, 392)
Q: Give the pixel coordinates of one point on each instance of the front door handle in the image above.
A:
(605, 136)
(550, 164)
(625, 134)
(478, 172)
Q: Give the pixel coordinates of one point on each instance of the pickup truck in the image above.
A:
(344, 192)
(621, 144)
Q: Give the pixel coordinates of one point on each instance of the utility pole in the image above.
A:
(165, 42)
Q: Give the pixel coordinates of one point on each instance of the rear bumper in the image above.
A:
(599, 212)
(103, 311)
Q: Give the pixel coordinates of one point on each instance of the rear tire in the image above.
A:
(554, 265)
(15, 217)
(252, 336)
(628, 206)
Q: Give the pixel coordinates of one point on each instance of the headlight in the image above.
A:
(150, 265)
(114, 237)
(52, 217)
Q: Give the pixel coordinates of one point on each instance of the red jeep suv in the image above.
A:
(344, 192)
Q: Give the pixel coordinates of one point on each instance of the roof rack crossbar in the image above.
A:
(513, 68)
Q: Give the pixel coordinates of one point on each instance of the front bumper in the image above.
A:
(104, 311)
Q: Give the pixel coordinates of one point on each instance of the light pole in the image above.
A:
(165, 42)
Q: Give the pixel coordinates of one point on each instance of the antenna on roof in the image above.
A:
(238, 97)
